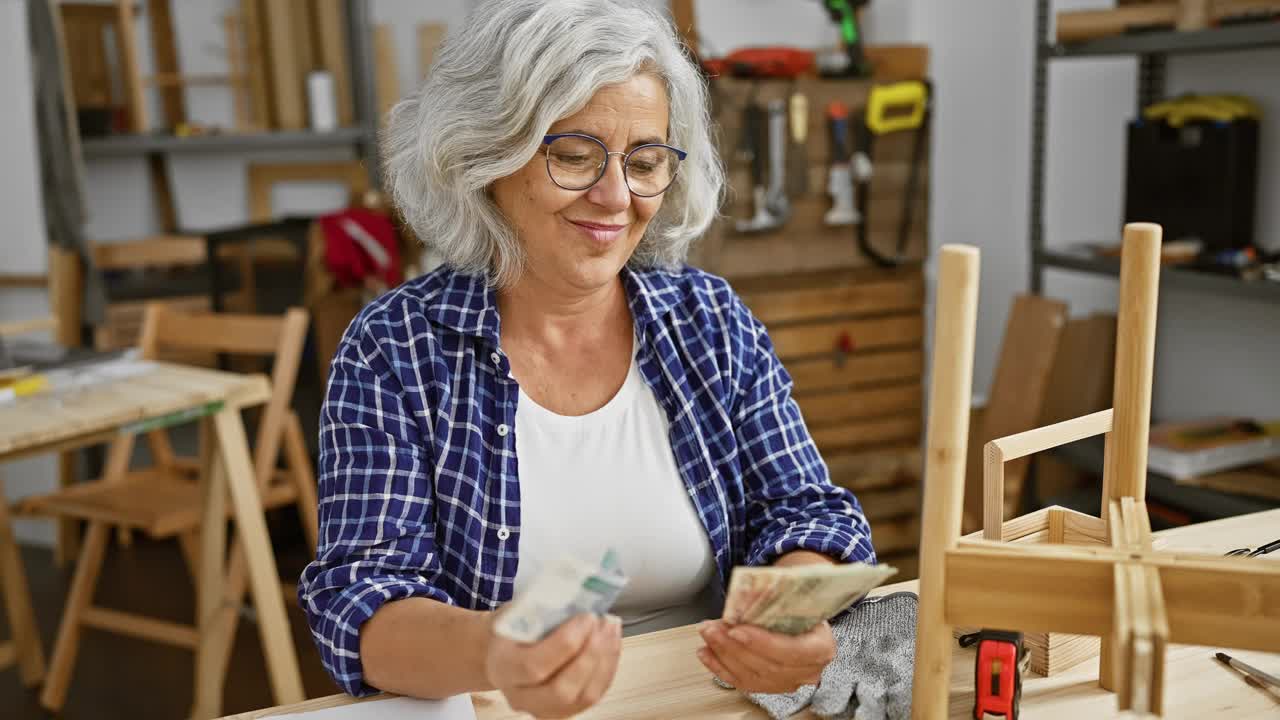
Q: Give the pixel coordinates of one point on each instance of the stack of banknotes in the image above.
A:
(788, 600)
(792, 599)
(563, 589)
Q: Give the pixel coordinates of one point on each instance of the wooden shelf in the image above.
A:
(1173, 278)
(131, 145)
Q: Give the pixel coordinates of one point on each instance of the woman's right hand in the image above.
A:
(563, 674)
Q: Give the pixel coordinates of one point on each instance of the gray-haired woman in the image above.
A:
(563, 384)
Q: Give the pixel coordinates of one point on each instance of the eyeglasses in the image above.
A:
(577, 162)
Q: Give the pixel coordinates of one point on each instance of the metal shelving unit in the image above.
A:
(363, 135)
(1151, 50)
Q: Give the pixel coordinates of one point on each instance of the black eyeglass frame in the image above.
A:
(626, 158)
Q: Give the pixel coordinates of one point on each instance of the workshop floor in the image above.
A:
(123, 678)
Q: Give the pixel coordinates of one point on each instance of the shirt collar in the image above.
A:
(468, 304)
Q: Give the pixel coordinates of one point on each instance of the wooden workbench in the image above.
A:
(111, 408)
(660, 677)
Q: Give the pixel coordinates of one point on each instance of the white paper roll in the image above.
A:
(321, 101)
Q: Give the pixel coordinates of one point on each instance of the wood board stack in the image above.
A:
(1187, 15)
(850, 333)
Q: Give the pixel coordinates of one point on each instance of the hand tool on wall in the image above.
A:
(845, 14)
(998, 664)
(840, 177)
(899, 107)
(766, 133)
(798, 157)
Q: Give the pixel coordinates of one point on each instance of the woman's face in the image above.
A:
(579, 240)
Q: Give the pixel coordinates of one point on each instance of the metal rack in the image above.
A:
(363, 135)
(1151, 50)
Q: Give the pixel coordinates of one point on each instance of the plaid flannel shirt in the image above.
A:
(419, 493)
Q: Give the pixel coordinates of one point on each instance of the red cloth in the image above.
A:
(348, 261)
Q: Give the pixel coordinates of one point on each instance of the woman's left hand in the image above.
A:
(756, 660)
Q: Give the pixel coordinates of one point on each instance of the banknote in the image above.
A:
(792, 599)
(563, 589)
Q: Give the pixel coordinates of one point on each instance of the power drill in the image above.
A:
(845, 14)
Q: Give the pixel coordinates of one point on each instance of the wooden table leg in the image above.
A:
(208, 569)
(264, 578)
(17, 602)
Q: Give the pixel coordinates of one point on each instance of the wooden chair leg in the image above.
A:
(949, 402)
(78, 599)
(211, 617)
(68, 541)
(264, 578)
(295, 449)
(80, 596)
(17, 602)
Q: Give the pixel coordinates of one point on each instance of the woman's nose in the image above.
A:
(612, 191)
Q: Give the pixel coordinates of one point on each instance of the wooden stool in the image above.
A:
(1111, 583)
(164, 502)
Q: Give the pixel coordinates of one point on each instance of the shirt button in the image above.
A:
(497, 359)
(503, 430)
(503, 533)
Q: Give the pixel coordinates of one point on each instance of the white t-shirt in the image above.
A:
(608, 479)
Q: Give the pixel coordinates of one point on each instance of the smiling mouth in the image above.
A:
(599, 227)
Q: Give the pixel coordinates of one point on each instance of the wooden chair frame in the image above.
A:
(1138, 600)
(105, 502)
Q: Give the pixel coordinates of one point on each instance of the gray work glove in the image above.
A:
(870, 678)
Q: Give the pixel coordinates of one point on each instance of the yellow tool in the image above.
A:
(1189, 108)
(899, 106)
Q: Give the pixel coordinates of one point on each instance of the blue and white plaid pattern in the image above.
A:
(419, 494)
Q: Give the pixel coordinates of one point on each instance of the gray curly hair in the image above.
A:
(498, 84)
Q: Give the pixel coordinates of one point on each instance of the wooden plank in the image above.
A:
(1020, 527)
(1078, 528)
(1126, 471)
(949, 402)
(273, 627)
(1029, 595)
(863, 334)
(127, 49)
(1017, 392)
(386, 77)
(261, 110)
(212, 622)
(334, 55)
(430, 36)
(816, 375)
(155, 251)
(1078, 25)
(817, 301)
(891, 536)
(17, 604)
(262, 177)
(303, 39)
(66, 290)
(155, 630)
(890, 504)
(686, 23)
(282, 65)
(220, 332)
(1079, 384)
(1051, 436)
(894, 429)
(237, 76)
(164, 57)
(860, 404)
(875, 469)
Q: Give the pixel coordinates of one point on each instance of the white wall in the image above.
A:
(22, 245)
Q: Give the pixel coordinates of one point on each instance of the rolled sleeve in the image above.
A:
(791, 502)
(377, 541)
